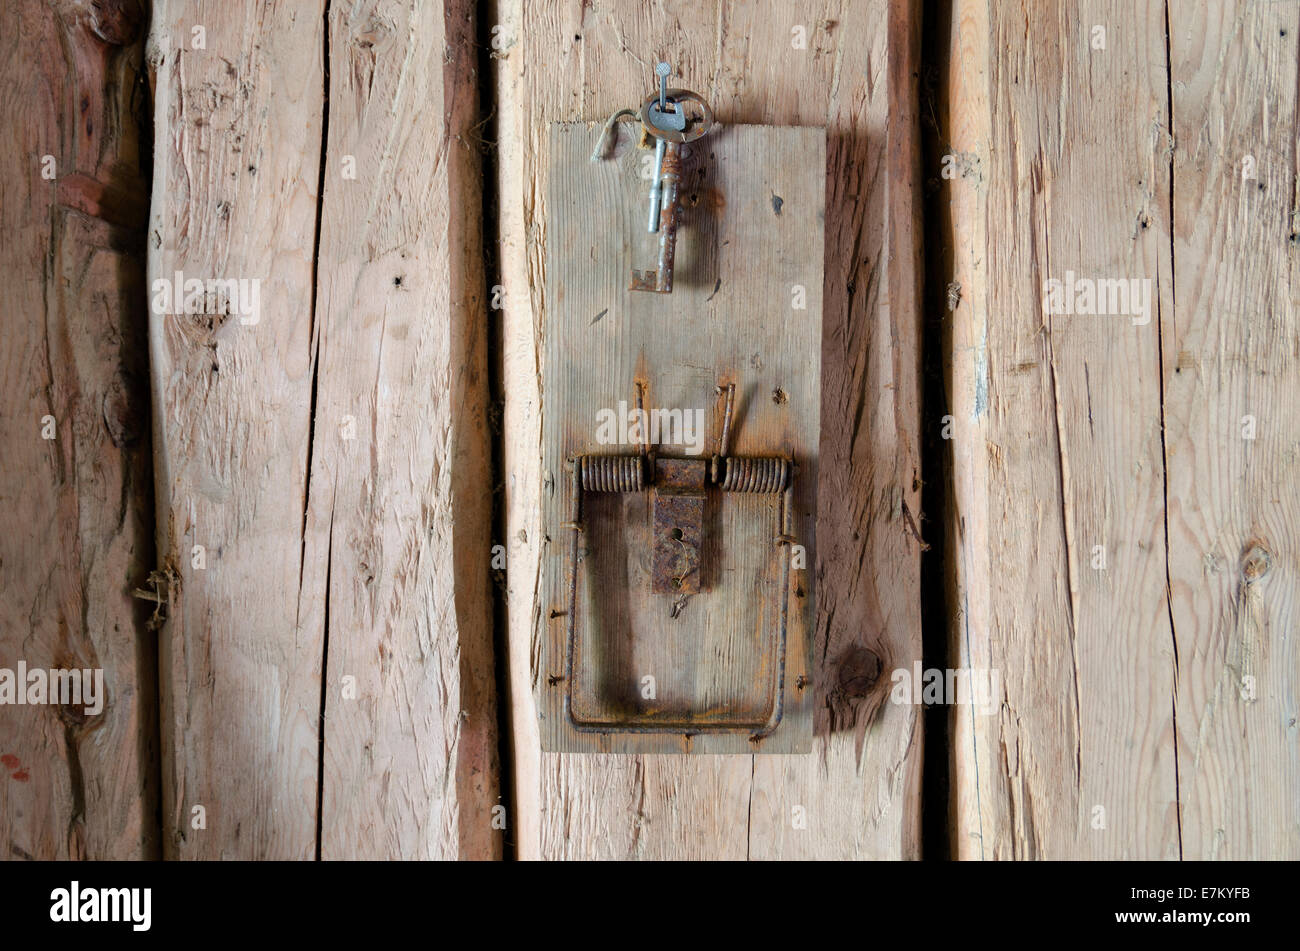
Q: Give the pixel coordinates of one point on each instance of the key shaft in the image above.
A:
(664, 117)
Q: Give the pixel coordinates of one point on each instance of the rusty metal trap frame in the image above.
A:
(680, 487)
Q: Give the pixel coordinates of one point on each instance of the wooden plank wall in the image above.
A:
(75, 482)
(1125, 556)
(1121, 518)
(235, 176)
(337, 607)
(399, 514)
(857, 794)
(1232, 380)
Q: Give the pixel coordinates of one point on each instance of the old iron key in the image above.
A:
(663, 115)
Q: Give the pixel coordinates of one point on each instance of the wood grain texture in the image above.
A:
(715, 655)
(562, 60)
(237, 146)
(330, 455)
(1160, 688)
(399, 516)
(1232, 375)
(75, 489)
(1119, 679)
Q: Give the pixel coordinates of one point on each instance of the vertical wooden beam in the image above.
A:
(1059, 500)
(239, 104)
(834, 66)
(75, 782)
(323, 471)
(399, 521)
(1232, 375)
(964, 124)
(860, 792)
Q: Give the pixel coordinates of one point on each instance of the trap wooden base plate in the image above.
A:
(746, 308)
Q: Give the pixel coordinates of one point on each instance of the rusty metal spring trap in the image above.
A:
(679, 486)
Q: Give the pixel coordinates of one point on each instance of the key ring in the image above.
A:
(678, 96)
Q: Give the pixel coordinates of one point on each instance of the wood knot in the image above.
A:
(854, 698)
(75, 715)
(82, 688)
(858, 672)
(1255, 562)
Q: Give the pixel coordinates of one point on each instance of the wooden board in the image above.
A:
(857, 794)
(745, 310)
(1123, 731)
(238, 127)
(1057, 436)
(75, 782)
(397, 532)
(327, 667)
(1232, 375)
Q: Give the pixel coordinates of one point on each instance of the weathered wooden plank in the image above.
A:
(78, 780)
(1058, 519)
(238, 105)
(832, 65)
(399, 518)
(745, 311)
(859, 797)
(964, 124)
(1232, 375)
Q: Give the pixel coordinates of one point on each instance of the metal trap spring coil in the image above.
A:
(611, 473)
(755, 474)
